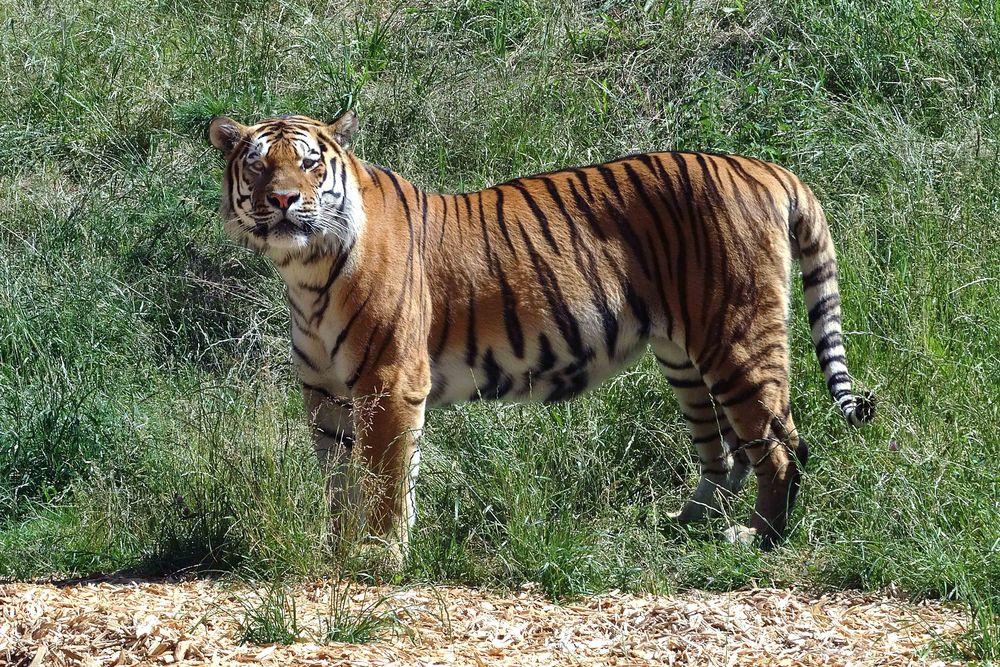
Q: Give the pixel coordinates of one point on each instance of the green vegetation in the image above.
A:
(149, 417)
(269, 617)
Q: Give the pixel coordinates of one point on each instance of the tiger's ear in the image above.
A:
(344, 127)
(225, 133)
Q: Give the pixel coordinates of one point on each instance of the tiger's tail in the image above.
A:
(811, 241)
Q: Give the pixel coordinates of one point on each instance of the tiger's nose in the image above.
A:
(282, 200)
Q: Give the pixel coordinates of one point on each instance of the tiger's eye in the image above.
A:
(256, 165)
(308, 163)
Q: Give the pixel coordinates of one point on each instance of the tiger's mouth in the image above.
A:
(285, 226)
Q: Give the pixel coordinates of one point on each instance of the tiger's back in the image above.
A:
(538, 289)
(574, 271)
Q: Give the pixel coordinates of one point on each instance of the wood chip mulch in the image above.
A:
(199, 623)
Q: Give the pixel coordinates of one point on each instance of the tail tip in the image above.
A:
(861, 409)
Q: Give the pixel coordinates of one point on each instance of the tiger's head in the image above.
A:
(286, 189)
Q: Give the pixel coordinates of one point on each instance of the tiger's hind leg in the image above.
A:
(722, 474)
(756, 402)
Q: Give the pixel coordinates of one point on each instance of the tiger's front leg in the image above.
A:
(332, 425)
(388, 421)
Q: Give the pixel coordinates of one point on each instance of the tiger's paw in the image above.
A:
(375, 556)
(740, 535)
(692, 511)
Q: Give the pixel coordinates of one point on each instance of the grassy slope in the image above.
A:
(148, 413)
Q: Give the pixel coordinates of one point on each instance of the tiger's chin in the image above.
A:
(287, 241)
(282, 240)
(286, 247)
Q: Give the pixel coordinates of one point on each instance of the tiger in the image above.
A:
(538, 289)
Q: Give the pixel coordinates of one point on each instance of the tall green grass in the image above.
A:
(148, 413)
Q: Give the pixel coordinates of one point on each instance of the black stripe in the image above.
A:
(825, 363)
(717, 204)
(424, 205)
(651, 166)
(302, 355)
(698, 421)
(386, 340)
(639, 309)
(315, 254)
(684, 176)
(343, 186)
(750, 392)
(318, 390)
(446, 325)
(765, 190)
(717, 436)
(611, 182)
(468, 215)
(471, 349)
(813, 248)
(839, 377)
(335, 270)
(588, 212)
(444, 222)
(487, 248)
(553, 192)
(677, 367)
(780, 178)
(422, 197)
(819, 275)
(297, 313)
(735, 170)
(404, 293)
(823, 307)
(498, 383)
(510, 319)
(347, 328)
(546, 357)
(543, 220)
(627, 233)
(661, 282)
(584, 181)
(735, 329)
(502, 222)
(587, 264)
(356, 375)
(308, 333)
(680, 266)
(402, 198)
(647, 202)
(566, 322)
(830, 339)
(679, 383)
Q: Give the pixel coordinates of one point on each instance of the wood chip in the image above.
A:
(181, 650)
(39, 656)
(197, 622)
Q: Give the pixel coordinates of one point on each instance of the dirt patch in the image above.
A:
(202, 622)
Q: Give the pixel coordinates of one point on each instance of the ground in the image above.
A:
(203, 622)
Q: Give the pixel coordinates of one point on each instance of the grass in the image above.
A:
(271, 618)
(371, 618)
(148, 412)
